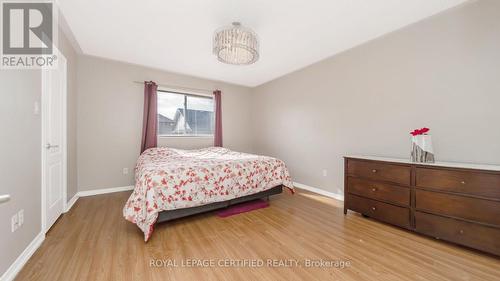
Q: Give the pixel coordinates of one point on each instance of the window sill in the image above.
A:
(186, 136)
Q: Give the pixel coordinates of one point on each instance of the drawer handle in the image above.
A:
(462, 182)
(373, 208)
(374, 189)
(374, 171)
(461, 231)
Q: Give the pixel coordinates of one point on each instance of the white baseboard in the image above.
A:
(104, 191)
(93, 192)
(71, 202)
(320, 191)
(18, 264)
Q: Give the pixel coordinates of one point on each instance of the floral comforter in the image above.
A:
(167, 179)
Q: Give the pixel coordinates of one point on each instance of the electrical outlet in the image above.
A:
(36, 108)
(125, 171)
(325, 173)
(13, 223)
(20, 218)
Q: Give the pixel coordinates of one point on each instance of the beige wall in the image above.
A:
(109, 121)
(442, 73)
(20, 166)
(71, 56)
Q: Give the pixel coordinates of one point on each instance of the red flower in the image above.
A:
(421, 131)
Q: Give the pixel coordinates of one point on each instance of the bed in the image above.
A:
(173, 183)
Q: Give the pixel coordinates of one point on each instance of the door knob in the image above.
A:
(49, 146)
(4, 198)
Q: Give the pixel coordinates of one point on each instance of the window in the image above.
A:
(185, 115)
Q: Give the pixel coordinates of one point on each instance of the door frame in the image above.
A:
(62, 62)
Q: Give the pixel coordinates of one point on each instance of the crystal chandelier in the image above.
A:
(236, 44)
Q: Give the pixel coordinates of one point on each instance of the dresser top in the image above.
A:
(436, 164)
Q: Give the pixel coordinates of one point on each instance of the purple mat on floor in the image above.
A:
(243, 208)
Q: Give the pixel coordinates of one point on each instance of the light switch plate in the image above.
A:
(13, 223)
(20, 218)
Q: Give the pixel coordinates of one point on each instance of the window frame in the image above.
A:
(192, 94)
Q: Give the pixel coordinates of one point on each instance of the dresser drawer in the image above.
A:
(473, 183)
(465, 233)
(379, 171)
(479, 210)
(379, 191)
(385, 212)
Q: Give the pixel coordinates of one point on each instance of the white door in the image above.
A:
(53, 143)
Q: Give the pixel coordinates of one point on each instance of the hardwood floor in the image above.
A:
(94, 242)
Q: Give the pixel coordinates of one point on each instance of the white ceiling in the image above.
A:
(176, 35)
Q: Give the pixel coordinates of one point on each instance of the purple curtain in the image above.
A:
(218, 119)
(150, 118)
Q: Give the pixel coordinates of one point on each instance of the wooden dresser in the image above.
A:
(455, 202)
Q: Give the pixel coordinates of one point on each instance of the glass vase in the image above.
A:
(421, 149)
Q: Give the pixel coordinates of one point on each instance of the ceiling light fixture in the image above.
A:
(236, 44)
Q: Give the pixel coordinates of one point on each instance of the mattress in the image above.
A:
(168, 179)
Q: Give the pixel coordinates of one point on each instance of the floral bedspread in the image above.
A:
(167, 179)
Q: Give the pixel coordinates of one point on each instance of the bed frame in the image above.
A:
(179, 213)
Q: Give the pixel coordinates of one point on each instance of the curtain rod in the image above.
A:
(178, 87)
